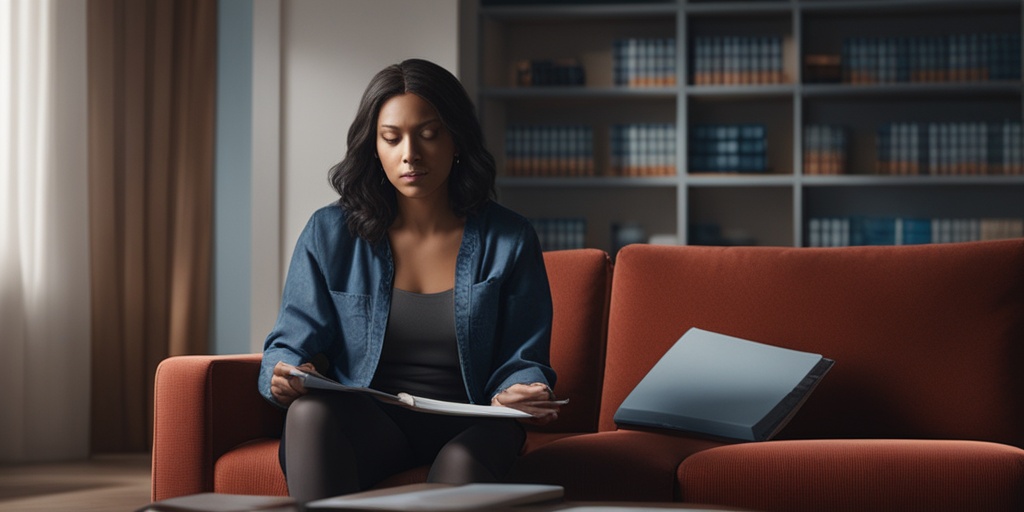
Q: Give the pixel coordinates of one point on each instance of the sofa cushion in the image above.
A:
(580, 283)
(251, 468)
(857, 475)
(928, 340)
(620, 465)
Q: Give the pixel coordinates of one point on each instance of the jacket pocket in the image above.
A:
(485, 302)
(354, 314)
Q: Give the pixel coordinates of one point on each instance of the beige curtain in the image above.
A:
(44, 279)
(152, 72)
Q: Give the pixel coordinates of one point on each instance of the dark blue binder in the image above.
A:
(723, 386)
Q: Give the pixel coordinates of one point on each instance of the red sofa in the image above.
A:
(923, 409)
(214, 432)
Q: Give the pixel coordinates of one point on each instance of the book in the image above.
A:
(220, 502)
(724, 387)
(647, 149)
(861, 230)
(953, 57)
(557, 234)
(549, 150)
(644, 62)
(316, 381)
(438, 497)
(729, 148)
(825, 149)
(964, 148)
(729, 60)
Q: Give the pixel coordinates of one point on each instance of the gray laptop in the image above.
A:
(723, 386)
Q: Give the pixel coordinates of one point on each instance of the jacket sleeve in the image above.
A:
(307, 320)
(523, 336)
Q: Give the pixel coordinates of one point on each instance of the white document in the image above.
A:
(315, 381)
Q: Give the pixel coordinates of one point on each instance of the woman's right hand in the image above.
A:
(286, 387)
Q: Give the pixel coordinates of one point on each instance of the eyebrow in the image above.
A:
(421, 125)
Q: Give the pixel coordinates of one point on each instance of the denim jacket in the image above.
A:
(338, 294)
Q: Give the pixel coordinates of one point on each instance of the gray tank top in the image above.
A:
(420, 356)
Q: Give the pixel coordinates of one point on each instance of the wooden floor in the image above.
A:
(103, 483)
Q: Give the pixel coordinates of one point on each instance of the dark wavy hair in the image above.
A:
(371, 204)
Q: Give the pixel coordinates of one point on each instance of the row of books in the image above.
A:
(737, 60)
(848, 231)
(557, 234)
(729, 148)
(649, 149)
(644, 62)
(643, 149)
(550, 72)
(824, 149)
(950, 148)
(710, 233)
(956, 57)
(549, 150)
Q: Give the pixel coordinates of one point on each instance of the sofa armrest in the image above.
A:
(204, 406)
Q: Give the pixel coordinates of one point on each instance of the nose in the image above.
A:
(411, 152)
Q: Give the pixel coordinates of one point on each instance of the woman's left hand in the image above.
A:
(536, 399)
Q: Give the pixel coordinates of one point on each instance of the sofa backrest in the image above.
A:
(580, 281)
(928, 341)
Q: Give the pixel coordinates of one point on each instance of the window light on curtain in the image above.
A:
(44, 265)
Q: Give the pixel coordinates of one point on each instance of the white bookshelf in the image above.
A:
(771, 208)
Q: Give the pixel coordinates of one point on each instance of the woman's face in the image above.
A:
(415, 149)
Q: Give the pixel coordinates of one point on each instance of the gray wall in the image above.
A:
(306, 64)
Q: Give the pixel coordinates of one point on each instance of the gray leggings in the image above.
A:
(339, 443)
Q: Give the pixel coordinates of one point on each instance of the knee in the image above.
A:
(457, 464)
(308, 410)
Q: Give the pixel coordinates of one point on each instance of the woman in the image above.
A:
(414, 281)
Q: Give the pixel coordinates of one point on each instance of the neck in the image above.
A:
(425, 216)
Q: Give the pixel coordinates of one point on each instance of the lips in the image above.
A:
(414, 174)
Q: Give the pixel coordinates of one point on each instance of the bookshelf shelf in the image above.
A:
(751, 91)
(577, 93)
(575, 12)
(599, 182)
(917, 181)
(938, 89)
(811, 54)
(890, 6)
(738, 180)
(737, 8)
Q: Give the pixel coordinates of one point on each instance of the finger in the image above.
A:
(283, 369)
(297, 385)
(540, 419)
(279, 382)
(287, 385)
(544, 404)
(283, 395)
(529, 400)
(524, 394)
(536, 408)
